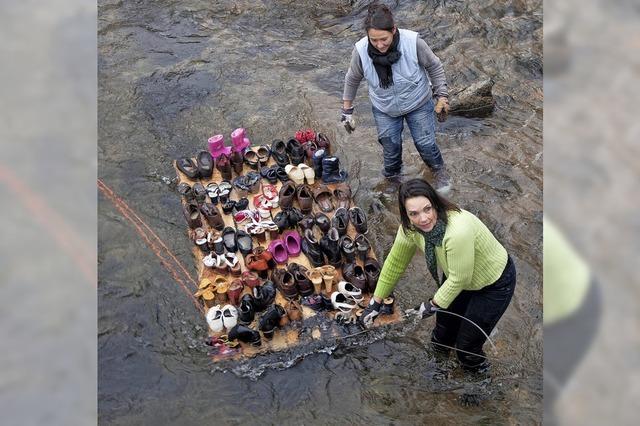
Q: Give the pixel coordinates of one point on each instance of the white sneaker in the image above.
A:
(214, 319)
(229, 316)
(350, 291)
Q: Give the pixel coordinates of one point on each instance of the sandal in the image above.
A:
(271, 194)
(322, 195)
(224, 189)
(251, 158)
(263, 154)
(213, 191)
(308, 173)
(295, 174)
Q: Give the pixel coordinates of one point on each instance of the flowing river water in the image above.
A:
(173, 73)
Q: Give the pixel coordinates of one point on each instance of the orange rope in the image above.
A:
(156, 246)
(159, 240)
(54, 224)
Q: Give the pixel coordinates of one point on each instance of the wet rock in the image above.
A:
(475, 100)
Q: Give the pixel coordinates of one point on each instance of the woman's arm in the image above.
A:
(433, 65)
(460, 253)
(352, 80)
(394, 265)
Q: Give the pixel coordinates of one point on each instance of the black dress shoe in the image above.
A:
(358, 219)
(281, 174)
(264, 295)
(348, 248)
(241, 204)
(311, 249)
(362, 246)
(330, 247)
(246, 310)
(340, 221)
(205, 164)
(282, 221)
(269, 173)
(270, 320)
(244, 242)
(229, 239)
(199, 192)
(245, 334)
(188, 167)
(323, 222)
(228, 206)
(185, 190)
(307, 222)
(294, 215)
(279, 152)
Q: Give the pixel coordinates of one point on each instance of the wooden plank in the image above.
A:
(317, 325)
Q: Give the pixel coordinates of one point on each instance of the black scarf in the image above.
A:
(383, 61)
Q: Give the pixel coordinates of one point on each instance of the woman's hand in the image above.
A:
(442, 109)
(347, 119)
(371, 313)
(425, 310)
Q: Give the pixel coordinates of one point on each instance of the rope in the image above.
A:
(495, 350)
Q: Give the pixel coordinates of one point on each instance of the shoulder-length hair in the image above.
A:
(421, 188)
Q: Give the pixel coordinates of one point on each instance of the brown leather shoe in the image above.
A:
(285, 283)
(237, 162)
(212, 216)
(287, 194)
(355, 275)
(192, 214)
(224, 167)
(305, 199)
(342, 194)
(322, 195)
(372, 273)
(294, 310)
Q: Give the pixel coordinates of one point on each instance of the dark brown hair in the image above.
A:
(379, 17)
(421, 188)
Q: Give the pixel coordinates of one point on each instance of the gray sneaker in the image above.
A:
(442, 181)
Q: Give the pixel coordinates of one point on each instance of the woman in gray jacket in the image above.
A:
(404, 76)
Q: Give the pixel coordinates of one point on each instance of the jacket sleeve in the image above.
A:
(460, 254)
(395, 264)
(353, 78)
(432, 64)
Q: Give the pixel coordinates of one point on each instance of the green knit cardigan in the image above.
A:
(470, 257)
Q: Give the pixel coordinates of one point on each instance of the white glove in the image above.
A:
(347, 119)
(371, 313)
(424, 310)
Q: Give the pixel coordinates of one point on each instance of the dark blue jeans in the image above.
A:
(484, 307)
(422, 125)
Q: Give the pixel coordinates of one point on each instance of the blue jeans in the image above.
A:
(422, 125)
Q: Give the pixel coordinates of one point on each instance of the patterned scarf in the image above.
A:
(432, 239)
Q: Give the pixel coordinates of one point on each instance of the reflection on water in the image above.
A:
(174, 73)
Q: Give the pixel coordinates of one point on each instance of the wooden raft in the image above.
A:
(322, 323)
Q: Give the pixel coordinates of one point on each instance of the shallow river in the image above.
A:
(173, 73)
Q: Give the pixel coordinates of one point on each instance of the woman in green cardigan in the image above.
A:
(479, 276)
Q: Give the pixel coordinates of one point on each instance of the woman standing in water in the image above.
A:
(479, 276)
(403, 75)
